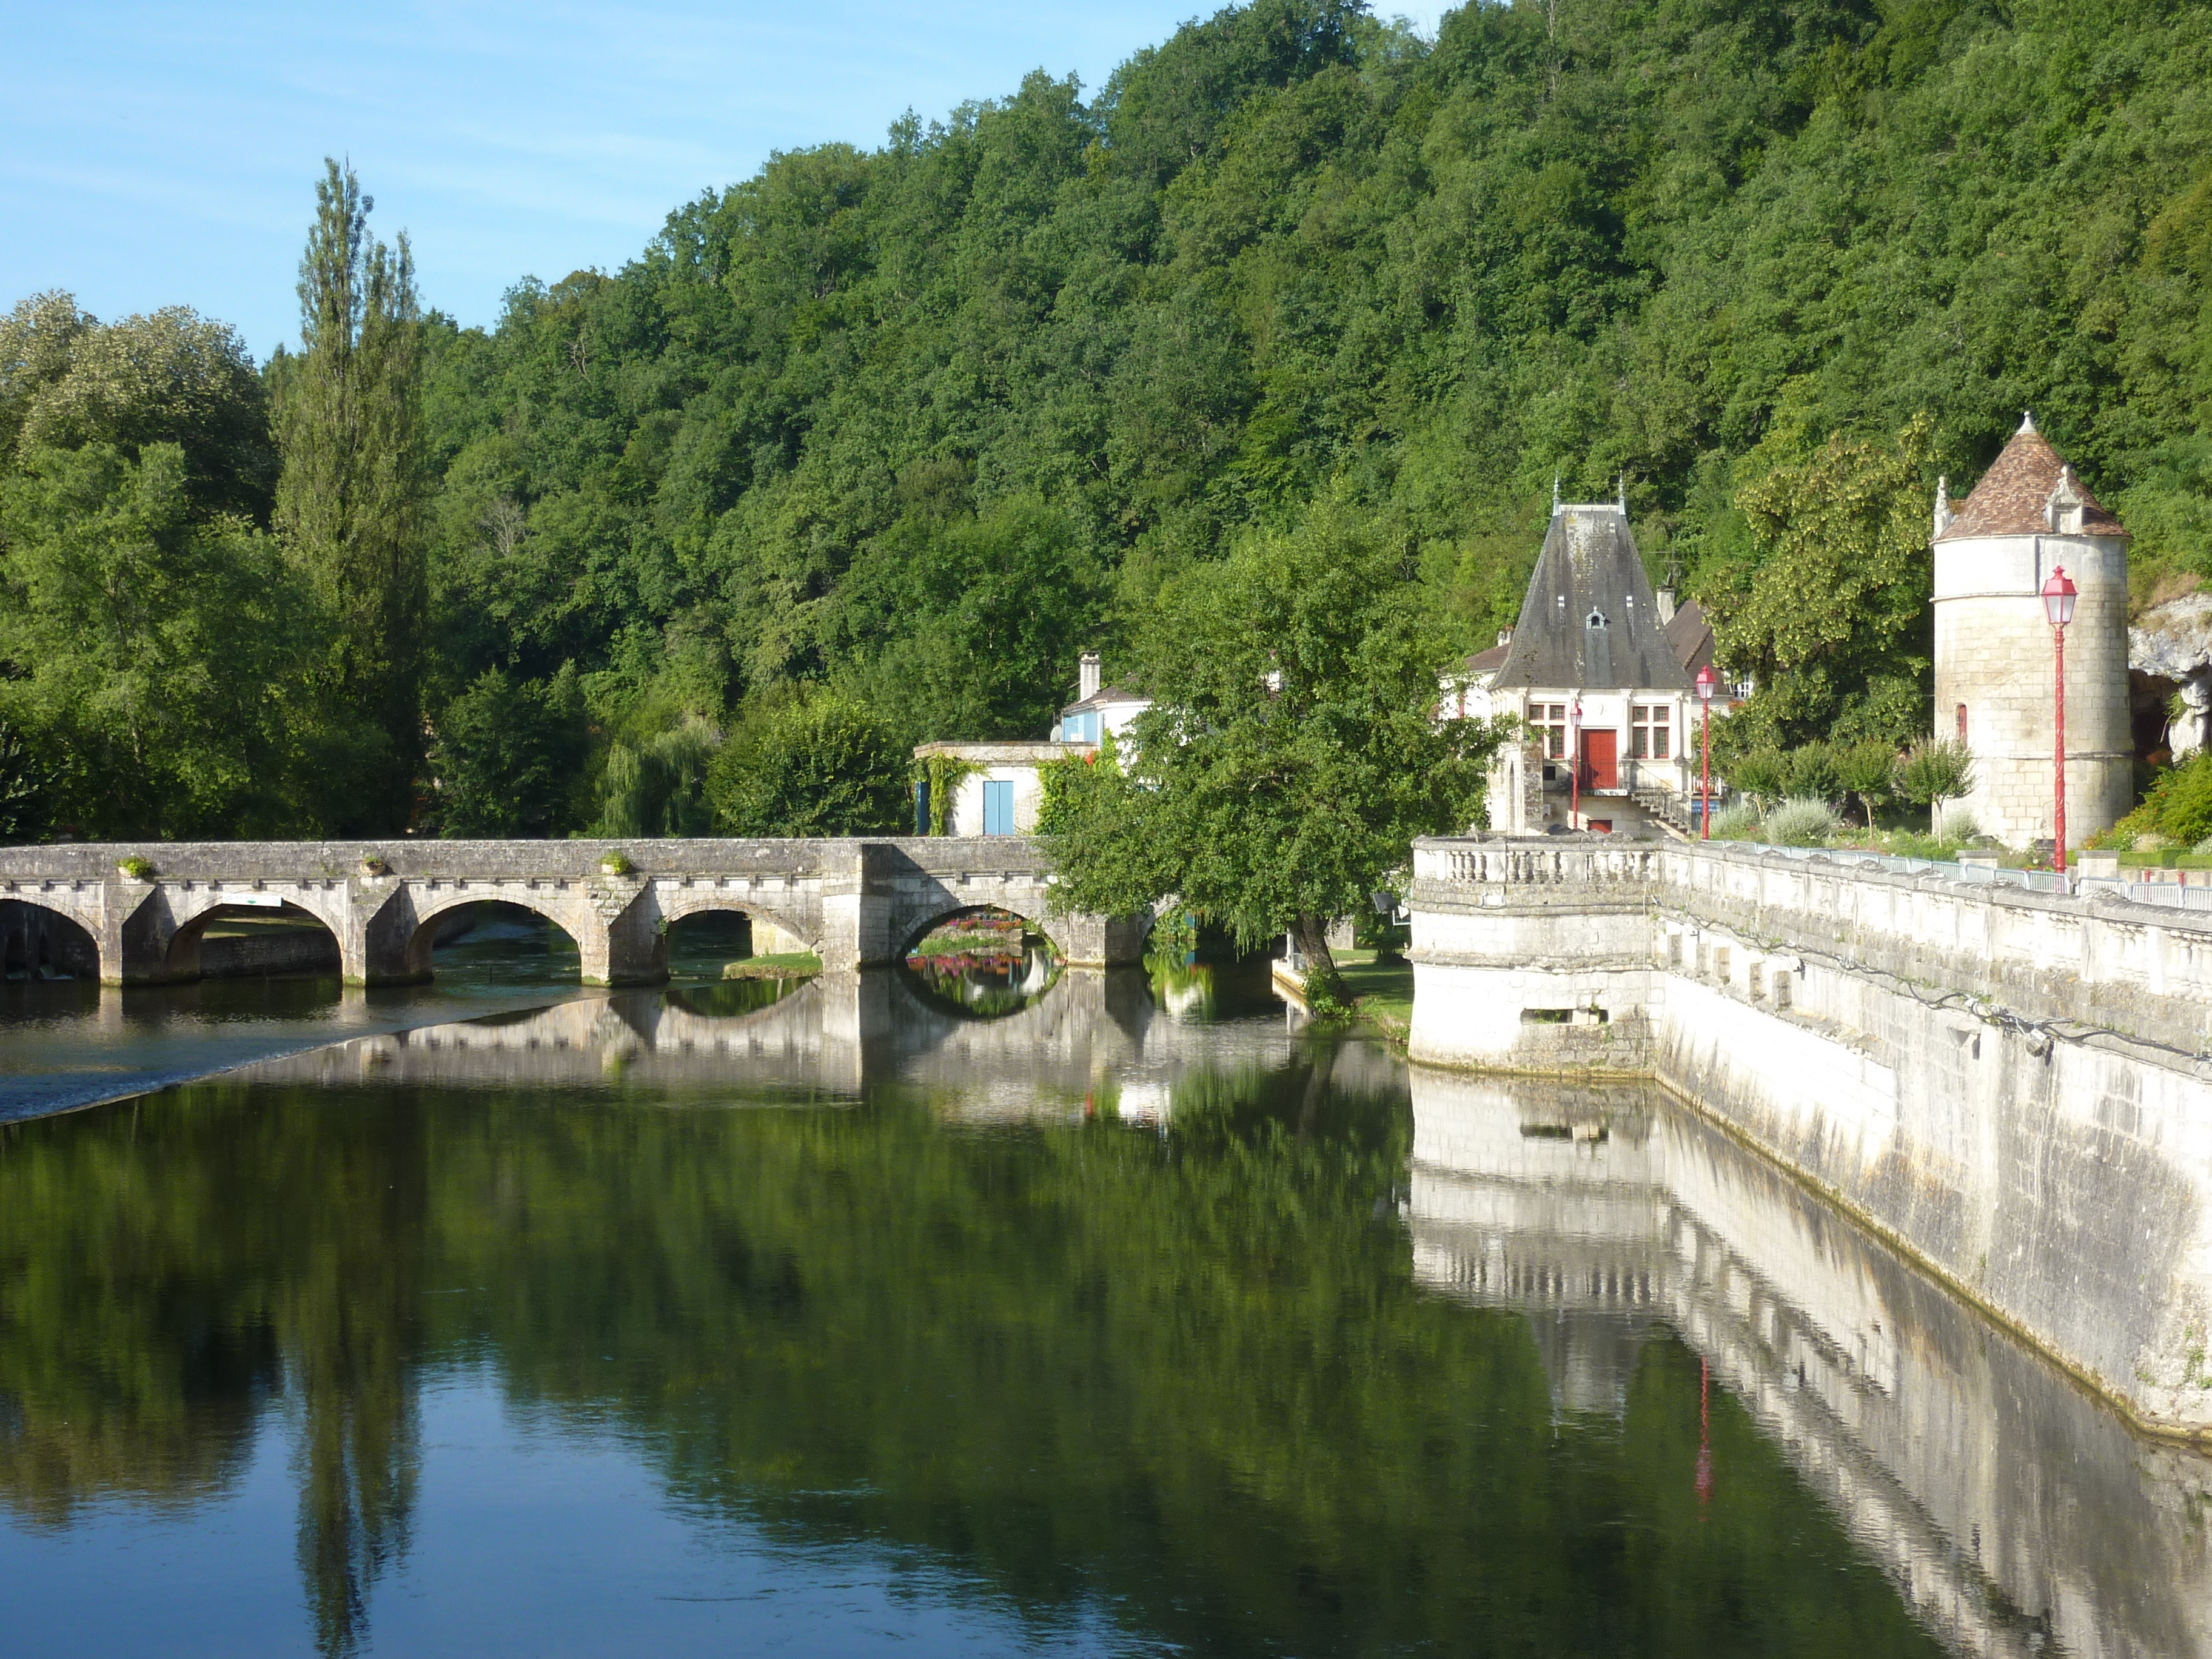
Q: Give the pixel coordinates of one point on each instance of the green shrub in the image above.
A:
(136, 868)
(1763, 774)
(1935, 770)
(1801, 821)
(617, 863)
(816, 764)
(1867, 770)
(2184, 797)
(1811, 774)
(1737, 820)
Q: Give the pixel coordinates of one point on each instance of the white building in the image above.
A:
(1600, 670)
(1995, 666)
(1000, 791)
(1099, 711)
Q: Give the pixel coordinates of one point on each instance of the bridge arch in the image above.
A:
(923, 919)
(573, 915)
(677, 905)
(182, 952)
(160, 936)
(44, 941)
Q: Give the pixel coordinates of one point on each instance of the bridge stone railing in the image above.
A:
(853, 901)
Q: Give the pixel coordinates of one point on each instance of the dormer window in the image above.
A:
(1596, 619)
(2062, 510)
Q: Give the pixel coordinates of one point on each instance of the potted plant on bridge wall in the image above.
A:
(134, 868)
(617, 863)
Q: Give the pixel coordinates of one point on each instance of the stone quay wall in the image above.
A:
(2015, 1087)
(852, 902)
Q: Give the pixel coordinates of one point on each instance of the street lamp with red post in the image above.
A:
(1705, 682)
(2059, 606)
(1574, 764)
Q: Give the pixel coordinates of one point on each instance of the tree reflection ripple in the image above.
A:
(841, 1318)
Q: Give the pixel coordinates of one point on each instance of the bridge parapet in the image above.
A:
(853, 901)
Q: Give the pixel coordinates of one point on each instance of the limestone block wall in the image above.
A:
(1994, 655)
(1932, 1055)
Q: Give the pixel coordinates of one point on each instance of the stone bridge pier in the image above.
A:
(853, 902)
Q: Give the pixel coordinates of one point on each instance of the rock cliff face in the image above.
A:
(2170, 650)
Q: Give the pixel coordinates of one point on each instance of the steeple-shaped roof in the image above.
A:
(1589, 620)
(2029, 491)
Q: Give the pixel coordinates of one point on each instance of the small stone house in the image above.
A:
(1099, 711)
(1002, 791)
(1599, 669)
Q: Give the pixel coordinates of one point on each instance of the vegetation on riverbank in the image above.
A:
(790, 964)
(913, 425)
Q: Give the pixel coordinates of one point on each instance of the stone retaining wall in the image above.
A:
(2011, 1085)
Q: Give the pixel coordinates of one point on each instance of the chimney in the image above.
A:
(1665, 598)
(1944, 515)
(1086, 676)
(1505, 636)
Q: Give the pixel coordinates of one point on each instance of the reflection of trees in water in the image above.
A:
(1179, 1373)
(349, 1317)
(169, 1267)
(731, 998)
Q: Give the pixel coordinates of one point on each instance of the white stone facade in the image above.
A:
(1995, 660)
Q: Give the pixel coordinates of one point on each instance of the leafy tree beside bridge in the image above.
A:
(1292, 752)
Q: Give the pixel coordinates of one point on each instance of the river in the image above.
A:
(839, 1319)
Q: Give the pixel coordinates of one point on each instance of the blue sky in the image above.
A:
(156, 154)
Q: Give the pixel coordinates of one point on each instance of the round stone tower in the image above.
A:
(1995, 666)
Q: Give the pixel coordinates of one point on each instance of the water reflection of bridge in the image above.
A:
(1097, 1039)
(2015, 1514)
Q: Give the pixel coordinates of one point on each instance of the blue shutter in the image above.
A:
(999, 806)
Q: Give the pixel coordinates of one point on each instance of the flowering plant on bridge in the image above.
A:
(1292, 751)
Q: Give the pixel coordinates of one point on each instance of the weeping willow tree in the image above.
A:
(659, 786)
(351, 497)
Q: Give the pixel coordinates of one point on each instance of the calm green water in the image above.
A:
(843, 1321)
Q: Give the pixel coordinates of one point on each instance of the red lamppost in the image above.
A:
(1705, 682)
(2059, 606)
(1574, 764)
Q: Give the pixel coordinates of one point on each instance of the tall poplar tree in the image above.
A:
(351, 501)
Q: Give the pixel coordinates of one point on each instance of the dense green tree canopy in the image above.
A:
(922, 421)
(815, 764)
(1293, 751)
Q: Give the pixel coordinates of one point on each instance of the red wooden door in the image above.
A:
(1602, 759)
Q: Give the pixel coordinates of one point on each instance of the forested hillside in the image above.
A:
(915, 425)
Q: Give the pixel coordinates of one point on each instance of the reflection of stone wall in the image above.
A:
(2009, 1507)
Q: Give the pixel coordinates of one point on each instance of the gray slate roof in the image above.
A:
(1589, 622)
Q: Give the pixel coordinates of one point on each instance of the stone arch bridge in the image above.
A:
(852, 902)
